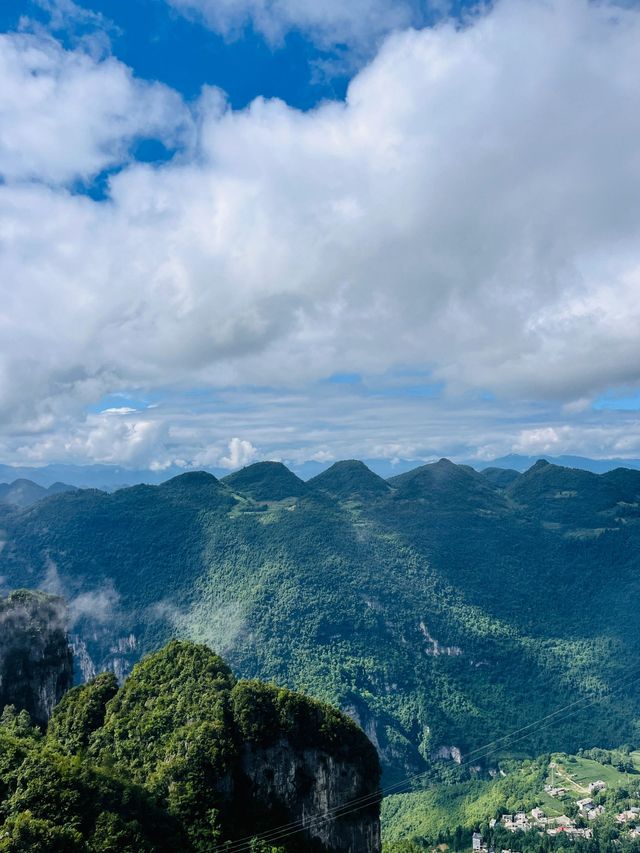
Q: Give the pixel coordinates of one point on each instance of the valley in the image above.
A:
(563, 797)
(441, 609)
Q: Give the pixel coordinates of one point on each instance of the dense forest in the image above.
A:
(441, 609)
(184, 757)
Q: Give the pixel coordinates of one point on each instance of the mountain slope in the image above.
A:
(500, 477)
(266, 481)
(440, 614)
(183, 757)
(447, 487)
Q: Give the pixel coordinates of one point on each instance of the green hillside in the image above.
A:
(448, 812)
(442, 610)
(174, 760)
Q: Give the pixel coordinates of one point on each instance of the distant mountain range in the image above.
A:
(111, 477)
(25, 492)
(584, 463)
(441, 608)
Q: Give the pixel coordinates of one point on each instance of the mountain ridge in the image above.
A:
(435, 586)
(108, 477)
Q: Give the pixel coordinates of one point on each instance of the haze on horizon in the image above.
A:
(389, 230)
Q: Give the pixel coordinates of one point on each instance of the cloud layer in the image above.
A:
(472, 210)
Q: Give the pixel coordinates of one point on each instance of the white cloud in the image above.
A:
(65, 115)
(233, 454)
(98, 606)
(357, 23)
(601, 440)
(122, 437)
(540, 440)
(473, 206)
(241, 453)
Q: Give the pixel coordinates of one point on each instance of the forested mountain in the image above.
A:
(184, 757)
(442, 608)
(23, 492)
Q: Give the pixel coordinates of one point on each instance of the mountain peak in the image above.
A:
(443, 469)
(350, 478)
(266, 481)
(191, 479)
(22, 492)
(446, 485)
(540, 465)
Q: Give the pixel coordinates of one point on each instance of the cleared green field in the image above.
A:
(442, 808)
(550, 806)
(583, 771)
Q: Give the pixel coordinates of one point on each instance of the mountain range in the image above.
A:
(111, 477)
(25, 492)
(441, 608)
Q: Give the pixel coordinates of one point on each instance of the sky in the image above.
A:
(234, 230)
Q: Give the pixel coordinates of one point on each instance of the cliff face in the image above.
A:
(257, 756)
(306, 784)
(36, 666)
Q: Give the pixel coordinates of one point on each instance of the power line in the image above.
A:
(286, 830)
(473, 756)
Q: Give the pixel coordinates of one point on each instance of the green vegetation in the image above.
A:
(579, 771)
(447, 813)
(440, 812)
(443, 608)
(167, 763)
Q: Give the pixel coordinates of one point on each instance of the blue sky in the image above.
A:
(389, 229)
(160, 44)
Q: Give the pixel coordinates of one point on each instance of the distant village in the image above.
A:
(561, 825)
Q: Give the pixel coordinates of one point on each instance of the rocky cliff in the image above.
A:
(35, 660)
(309, 784)
(230, 759)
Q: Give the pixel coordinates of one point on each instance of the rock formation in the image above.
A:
(35, 660)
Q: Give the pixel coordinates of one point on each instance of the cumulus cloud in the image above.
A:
(233, 454)
(241, 452)
(66, 115)
(604, 440)
(473, 207)
(122, 436)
